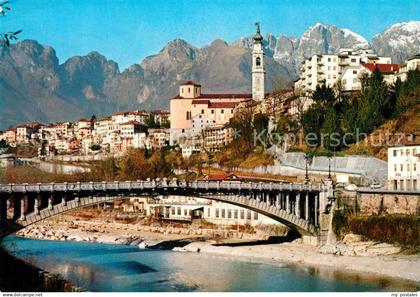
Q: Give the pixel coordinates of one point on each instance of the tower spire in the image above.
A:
(258, 72)
(257, 37)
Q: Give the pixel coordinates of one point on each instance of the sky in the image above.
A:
(127, 31)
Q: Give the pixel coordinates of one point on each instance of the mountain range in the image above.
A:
(35, 86)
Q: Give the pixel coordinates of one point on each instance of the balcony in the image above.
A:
(343, 62)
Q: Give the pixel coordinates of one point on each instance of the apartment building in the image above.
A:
(351, 77)
(404, 167)
(411, 63)
(329, 68)
(217, 136)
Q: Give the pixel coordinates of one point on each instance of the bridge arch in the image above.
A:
(297, 206)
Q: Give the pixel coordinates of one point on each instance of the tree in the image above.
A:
(150, 122)
(242, 126)
(7, 37)
(376, 102)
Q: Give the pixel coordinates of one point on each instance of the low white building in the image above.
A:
(404, 167)
(219, 213)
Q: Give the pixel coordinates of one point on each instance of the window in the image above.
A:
(182, 90)
(255, 215)
(402, 152)
(229, 213)
(217, 212)
(414, 152)
(248, 215)
(401, 167)
(185, 212)
(329, 67)
(354, 71)
(235, 214)
(394, 153)
(414, 167)
(202, 111)
(334, 68)
(353, 60)
(231, 111)
(173, 211)
(329, 59)
(395, 167)
(242, 214)
(212, 111)
(179, 211)
(407, 152)
(189, 89)
(223, 111)
(208, 212)
(223, 213)
(258, 61)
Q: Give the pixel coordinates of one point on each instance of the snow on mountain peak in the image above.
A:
(411, 27)
(362, 41)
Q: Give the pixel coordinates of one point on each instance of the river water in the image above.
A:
(105, 267)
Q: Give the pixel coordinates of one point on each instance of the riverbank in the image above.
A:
(17, 275)
(351, 256)
(395, 266)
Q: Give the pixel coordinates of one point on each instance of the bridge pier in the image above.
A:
(306, 206)
(23, 206)
(297, 205)
(287, 203)
(316, 210)
(50, 201)
(3, 207)
(37, 204)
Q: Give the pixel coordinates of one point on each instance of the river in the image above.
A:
(106, 267)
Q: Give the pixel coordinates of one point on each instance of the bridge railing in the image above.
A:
(159, 184)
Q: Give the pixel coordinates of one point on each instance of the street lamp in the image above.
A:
(329, 167)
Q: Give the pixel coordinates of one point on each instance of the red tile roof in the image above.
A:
(216, 104)
(223, 105)
(131, 123)
(190, 82)
(383, 68)
(201, 102)
(219, 96)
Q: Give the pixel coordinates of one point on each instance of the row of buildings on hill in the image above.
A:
(114, 133)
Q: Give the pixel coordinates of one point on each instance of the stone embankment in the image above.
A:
(352, 245)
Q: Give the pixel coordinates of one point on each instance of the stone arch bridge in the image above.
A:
(297, 205)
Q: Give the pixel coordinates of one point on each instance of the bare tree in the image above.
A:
(10, 36)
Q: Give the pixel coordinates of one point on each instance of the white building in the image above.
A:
(404, 167)
(330, 68)
(219, 213)
(411, 63)
(351, 75)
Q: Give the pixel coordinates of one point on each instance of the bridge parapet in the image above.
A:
(159, 184)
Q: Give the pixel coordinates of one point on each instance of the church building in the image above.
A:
(191, 111)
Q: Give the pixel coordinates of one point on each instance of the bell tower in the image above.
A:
(258, 72)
